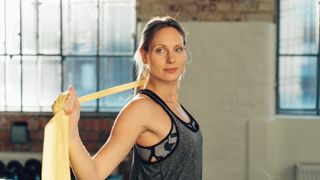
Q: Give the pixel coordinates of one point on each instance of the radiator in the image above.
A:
(307, 171)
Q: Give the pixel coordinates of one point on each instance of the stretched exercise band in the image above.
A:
(112, 90)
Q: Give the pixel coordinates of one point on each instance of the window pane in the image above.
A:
(80, 27)
(297, 82)
(113, 72)
(49, 27)
(2, 27)
(80, 72)
(30, 86)
(13, 86)
(41, 82)
(2, 83)
(49, 75)
(12, 26)
(29, 26)
(117, 27)
(299, 26)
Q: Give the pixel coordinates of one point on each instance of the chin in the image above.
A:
(168, 78)
(171, 79)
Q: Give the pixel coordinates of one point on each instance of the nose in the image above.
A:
(171, 58)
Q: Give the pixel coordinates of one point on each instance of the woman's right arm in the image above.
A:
(80, 159)
(126, 129)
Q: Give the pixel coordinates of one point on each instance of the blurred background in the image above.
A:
(252, 79)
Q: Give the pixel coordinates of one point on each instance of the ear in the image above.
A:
(144, 56)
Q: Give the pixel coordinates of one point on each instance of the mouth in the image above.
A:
(170, 70)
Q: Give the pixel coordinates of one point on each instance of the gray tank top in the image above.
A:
(176, 157)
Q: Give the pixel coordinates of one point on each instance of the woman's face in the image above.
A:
(166, 56)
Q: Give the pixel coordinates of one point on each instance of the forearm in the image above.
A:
(81, 161)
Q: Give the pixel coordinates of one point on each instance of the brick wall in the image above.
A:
(93, 132)
(208, 10)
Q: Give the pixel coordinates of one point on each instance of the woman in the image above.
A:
(166, 140)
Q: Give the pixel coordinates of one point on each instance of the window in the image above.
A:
(46, 45)
(298, 65)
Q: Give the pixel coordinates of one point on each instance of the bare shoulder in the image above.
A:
(137, 110)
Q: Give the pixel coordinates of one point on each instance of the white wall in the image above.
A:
(293, 140)
(229, 87)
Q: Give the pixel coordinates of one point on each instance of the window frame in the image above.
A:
(62, 57)
(283, 111)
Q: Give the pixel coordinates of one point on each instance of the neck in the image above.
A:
(168, 91)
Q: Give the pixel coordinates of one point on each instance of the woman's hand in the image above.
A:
(72, 107)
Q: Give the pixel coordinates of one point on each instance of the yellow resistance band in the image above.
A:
(112, 90)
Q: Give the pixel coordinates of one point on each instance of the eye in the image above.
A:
(161, 51)
(179, 49)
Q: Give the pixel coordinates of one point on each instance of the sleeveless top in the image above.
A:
(177, 157)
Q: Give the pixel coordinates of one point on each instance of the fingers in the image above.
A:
(72, 92)
(67, 107)
(68, 104)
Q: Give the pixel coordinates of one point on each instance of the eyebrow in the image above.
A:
(180, 44)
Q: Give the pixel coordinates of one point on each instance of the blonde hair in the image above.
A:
(146, 37)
